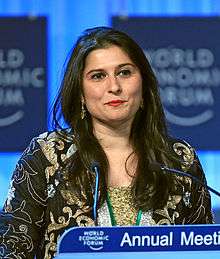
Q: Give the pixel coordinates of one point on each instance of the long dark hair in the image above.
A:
(148, 133)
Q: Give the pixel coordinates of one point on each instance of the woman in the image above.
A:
(109, 98)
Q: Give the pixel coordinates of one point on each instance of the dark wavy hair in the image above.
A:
(148, 132)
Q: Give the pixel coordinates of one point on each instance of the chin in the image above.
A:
(118, 121)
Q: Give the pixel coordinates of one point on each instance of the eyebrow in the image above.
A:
(101, 69)
(126, 64)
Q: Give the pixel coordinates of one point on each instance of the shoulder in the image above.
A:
(181, 150)
(56, 136)
(53, 144)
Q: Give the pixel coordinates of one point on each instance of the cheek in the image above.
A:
(137, 90)
(92, 94)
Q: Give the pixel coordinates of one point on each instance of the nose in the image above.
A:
(114, 85)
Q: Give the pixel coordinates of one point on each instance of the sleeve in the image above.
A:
(22, 218)
(196, 200)
(200, 212)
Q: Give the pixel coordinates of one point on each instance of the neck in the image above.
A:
(118, 148)
(112, 137)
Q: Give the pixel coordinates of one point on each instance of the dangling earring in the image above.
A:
(142, 104)
(83, 111)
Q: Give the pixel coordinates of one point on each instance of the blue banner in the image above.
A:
(141, 239)
(23, 80)
(185, 55)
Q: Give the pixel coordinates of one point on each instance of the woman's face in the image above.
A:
(112, 86)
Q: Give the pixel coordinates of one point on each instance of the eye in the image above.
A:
(125, 72)
(98, 76)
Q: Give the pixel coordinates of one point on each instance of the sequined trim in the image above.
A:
(104, 219)
(122, 205)
(147, 219)
(123, 209)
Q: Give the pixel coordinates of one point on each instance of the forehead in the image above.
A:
(112, 55)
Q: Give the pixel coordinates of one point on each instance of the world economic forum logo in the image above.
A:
(95, 240)
(189, 81)
(15, 81)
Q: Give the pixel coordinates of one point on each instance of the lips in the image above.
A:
(115, 102)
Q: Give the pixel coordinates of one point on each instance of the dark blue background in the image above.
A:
(183, 33)
(30, 36)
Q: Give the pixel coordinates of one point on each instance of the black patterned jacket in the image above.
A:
(39, 206)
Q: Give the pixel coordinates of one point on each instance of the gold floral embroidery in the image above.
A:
(187, 154)
(164, 213)
(164, 222)
(49, 171)
(173, 201)
(70, 152)
(72, 198)
(60, 144)
(171, 204)
(50, 153)
(85, 221)
(50, 247)
(50, 144)
(53, 226)
(63, 157)
(62, 222)
(82, 220)
(48, 150)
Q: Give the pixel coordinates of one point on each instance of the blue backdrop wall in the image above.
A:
(67, 19)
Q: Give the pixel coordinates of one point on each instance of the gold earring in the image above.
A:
(142, 104)
(83, 111)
